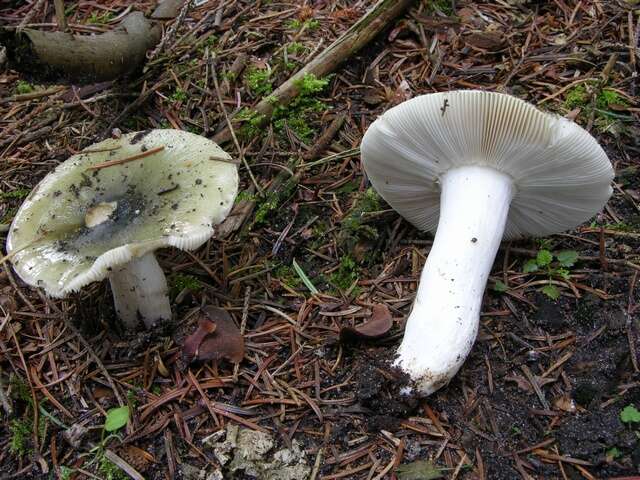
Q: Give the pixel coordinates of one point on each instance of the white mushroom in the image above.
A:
(480, 166)
(82, 224)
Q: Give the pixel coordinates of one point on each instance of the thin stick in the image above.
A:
(230, 127)
(96, 359)
(243, 326)
(138, 156)
(60, 15)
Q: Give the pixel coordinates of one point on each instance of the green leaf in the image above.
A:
(613, 453)
(630, 414)
(551, 291)
(530, 266)
(304, 278)
(500, 286)
(544, 258)
(420, 470)
(116, 418)
(567, 258)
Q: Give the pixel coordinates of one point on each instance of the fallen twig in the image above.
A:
(360, 33)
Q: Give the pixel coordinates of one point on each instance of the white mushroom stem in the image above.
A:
(443, 323)
(140, 292)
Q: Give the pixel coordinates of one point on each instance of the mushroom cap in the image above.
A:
(172, 197)
(561, 174)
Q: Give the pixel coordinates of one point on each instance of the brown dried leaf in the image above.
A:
(138, 458)
(524, 384)
(193, 341)
(376, 327)
(490, 41)
(226, 342)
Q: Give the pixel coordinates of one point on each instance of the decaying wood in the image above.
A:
(82, 58)
(361, 33)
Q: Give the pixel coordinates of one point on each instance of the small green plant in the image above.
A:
(444, 6)
(295, 115)
(100, 19)
(613, 453)
(544, 263)
(23, 87)
(297, 24)
(296, 48)
(178, 95)
(66, 472)
(630, 414)
(500, 286)
(259, 81)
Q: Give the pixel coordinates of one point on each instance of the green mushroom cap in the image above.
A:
(81, 221)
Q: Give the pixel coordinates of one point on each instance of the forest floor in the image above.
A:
(552, 386)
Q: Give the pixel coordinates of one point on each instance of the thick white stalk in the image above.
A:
(443, 323)
(140, 292)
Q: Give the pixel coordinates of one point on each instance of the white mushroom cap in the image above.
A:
(561, 175)
(79, 224)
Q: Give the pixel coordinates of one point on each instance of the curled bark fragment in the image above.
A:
(82, 58)
(376, 327)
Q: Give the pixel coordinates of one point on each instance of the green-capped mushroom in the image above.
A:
(103, 213)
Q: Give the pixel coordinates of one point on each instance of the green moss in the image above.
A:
(272, 200)
(576, 97)
(180, 281)
(20, 432)
(295, 114)
(287, 276)
(17, 193)
(346, 274)
(259, 81)
(178, 96)
(607, 98)
(109, 470)
(23, 87)
(252, 123)
(353, 225)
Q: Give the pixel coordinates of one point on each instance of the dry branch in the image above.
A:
(360, 33)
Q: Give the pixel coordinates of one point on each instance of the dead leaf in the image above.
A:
(376, 327)
(490, 41)
(565, 403)
(138, 458)
(524, 384)
(193, 341)
(226, 342)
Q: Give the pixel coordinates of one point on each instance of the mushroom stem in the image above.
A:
(140, 292)
(443, 323)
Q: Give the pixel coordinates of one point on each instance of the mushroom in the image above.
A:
(479, 166)
(103, 212)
